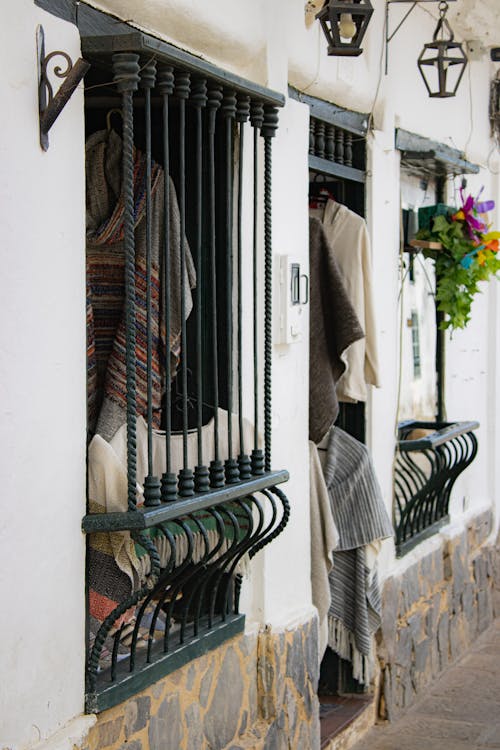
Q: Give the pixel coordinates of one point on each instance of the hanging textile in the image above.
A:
(348, 236)
(106, 329)
(360, 516)
(117, 565)
(324, 539)
(334, 327)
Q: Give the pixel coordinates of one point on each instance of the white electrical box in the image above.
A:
(293, 295)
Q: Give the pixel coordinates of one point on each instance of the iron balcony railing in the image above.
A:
(199, 525)
(429, 458)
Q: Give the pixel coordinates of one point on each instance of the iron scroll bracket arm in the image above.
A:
(50, 105)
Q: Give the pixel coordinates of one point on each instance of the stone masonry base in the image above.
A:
(433, 612)
(256, 692)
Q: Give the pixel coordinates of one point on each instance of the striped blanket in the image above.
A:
(362, 521)
(116, 564)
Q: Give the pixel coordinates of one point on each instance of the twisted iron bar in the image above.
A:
(268, 132)
(152, 487)
(256, 120)
(281, 525)
(126, 74)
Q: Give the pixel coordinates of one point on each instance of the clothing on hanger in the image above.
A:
(318, 197)
(333, 327)
(106, 328)
(348, 236)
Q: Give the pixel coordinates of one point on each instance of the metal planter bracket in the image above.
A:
(50, 105)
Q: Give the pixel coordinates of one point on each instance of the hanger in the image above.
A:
(114, 111)
(323, 188)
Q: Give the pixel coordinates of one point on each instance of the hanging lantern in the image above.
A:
(344, 23)
(442, 62)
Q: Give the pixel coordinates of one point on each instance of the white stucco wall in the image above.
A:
(462, 122)
(287, 561)
(42, 392)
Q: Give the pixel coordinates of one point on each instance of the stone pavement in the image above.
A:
(460, 711)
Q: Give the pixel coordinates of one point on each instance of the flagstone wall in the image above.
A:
(434, 611)
(257, 691)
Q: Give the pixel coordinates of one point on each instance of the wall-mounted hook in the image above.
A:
(50, 105)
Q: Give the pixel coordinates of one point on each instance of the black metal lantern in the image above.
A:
(344, 23)
(442, 62)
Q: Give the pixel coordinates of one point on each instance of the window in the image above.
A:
(430, 453)
(181, 492)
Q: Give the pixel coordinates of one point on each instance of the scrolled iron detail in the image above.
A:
(50, 105)
(58, 71)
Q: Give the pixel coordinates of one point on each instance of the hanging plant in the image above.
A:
(465, 253)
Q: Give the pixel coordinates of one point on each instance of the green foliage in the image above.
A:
(460, 266)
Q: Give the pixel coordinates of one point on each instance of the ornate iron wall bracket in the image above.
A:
(50, 105)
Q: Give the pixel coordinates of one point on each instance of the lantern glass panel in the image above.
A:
(442, 65)
(330, 17)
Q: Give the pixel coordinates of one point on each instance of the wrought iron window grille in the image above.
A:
(430, 456)
(199, 524)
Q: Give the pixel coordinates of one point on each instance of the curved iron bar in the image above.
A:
(203, 564)
(244, 543)
(469, 445)
(423, 510)
(174, 590)
(140, 613)
(422, 497)
(205, 576)
(166, 572)
(281, 525)
(219, 565)
(158, 586)
(104, 630)
(414, 500)
(405, 473)
(427, 508)
(253, 538)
